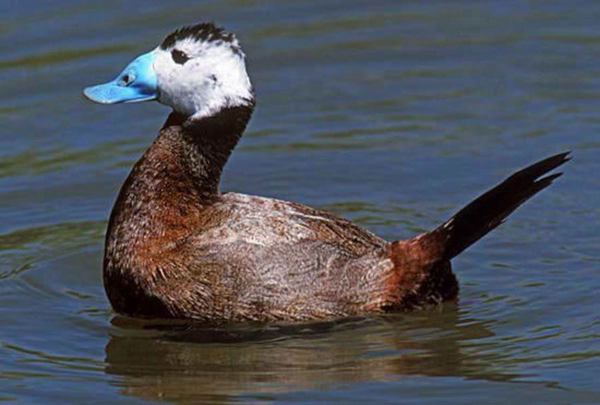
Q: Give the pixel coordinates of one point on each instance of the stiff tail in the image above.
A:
(489, 210)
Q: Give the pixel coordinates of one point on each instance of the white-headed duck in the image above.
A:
(176, 247)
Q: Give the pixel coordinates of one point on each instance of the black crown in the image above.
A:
(205, 32)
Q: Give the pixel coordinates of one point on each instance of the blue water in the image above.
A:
(393, 114)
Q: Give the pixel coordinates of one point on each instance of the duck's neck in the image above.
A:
(206, 144)
(178, 175)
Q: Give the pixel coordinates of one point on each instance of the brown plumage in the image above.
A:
(178, 248)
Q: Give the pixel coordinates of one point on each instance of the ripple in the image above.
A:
(59, 57)
(22, 249)
(32, 162)
(71, 363)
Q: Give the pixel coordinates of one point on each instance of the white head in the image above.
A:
(197, 70)
(201, 69)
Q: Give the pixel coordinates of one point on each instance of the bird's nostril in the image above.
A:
(126, 79)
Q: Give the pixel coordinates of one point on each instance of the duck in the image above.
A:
(178, 248)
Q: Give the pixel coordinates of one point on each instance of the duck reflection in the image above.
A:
(182, 363)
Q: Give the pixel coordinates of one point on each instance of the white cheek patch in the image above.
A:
(213, 78)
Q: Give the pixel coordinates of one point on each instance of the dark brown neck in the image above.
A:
(207, 143)
(175, 178)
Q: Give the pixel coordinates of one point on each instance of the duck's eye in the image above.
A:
(179, 57)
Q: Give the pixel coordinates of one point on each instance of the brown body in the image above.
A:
(178, 248)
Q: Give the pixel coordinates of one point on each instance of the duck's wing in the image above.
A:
(268, 259)
(267, 221)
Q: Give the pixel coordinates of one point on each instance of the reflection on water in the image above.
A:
(393, 115)
(217, 365)
(208, 363)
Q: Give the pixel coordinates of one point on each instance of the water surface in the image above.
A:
(392, 114)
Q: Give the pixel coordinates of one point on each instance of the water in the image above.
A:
(393, 114)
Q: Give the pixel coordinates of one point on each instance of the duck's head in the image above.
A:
(197, 70)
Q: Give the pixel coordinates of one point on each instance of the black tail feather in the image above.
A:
(491, 209)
